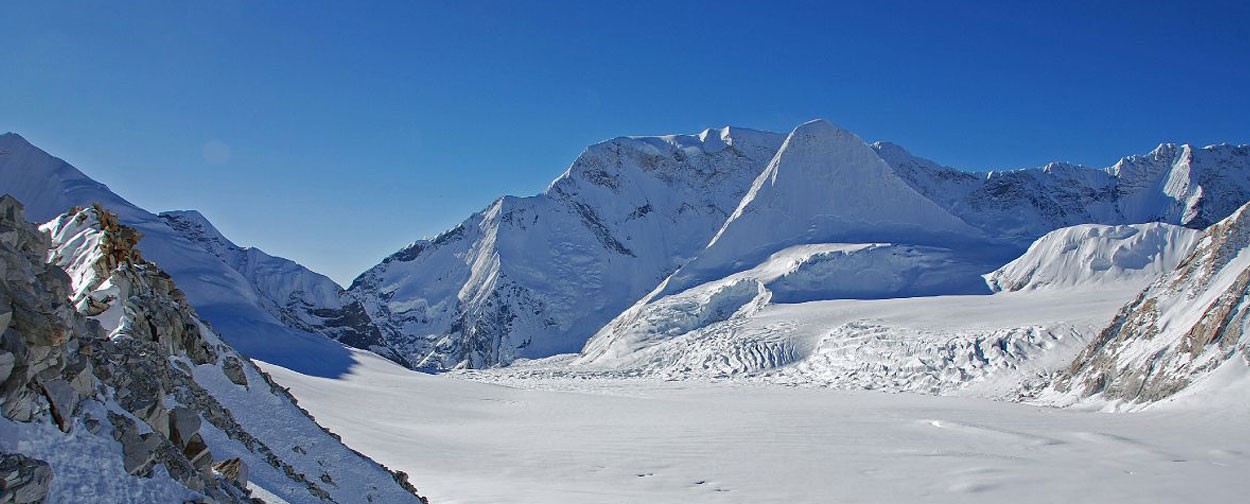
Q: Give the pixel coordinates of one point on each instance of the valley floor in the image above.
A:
(559, 440)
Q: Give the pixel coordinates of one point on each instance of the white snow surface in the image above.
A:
(1095, 254)
(603, 440)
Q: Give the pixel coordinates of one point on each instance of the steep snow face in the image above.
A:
(1178, 332)
(825, 185)
(300, 298)
(222, 295)
(1176, 184)
(1095, 254)
(535, 276)
(149, 404)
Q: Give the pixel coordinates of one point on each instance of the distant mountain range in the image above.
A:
(647, 240)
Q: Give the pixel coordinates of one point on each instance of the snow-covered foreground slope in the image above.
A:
(638, 440)
(235, 306)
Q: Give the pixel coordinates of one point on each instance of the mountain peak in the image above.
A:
(822, 127)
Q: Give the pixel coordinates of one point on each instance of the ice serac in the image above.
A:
(121, 393)
(222, 295)
(1180, 331)
(1096, 254)
(825, 185)
(299, 297)
(536, 276)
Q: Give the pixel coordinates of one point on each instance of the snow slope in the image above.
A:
(825, 185)
(909, 317)
(536, 276)
(223, 296)
(300, 298)
(1094, 254)
(1189, 325)
(642, 440)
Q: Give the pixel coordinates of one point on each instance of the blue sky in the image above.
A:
(334, 133)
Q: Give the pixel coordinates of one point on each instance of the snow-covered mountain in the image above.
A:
(1093, 254)
(867, 223)
(532, 277)
(1187, 327)
(1176, 184)
(536, 276)
(253, 304)
(300, 298)
(113, 389)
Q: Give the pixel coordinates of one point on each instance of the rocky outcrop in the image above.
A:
(23, 480)
(112, 348)
(1179, 330)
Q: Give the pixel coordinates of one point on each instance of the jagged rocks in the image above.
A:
(23, 480)
(1179, 330)
(234, 470)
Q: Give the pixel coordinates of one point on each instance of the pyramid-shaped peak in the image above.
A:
(823, 128)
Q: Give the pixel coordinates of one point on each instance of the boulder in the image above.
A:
(63, 399)
(233, 368)
(234, 470)
(23, 480)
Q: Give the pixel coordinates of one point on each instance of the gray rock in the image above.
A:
(7, 361)
(23, 480)
(184, 423)
(233, 368)
(63, 399)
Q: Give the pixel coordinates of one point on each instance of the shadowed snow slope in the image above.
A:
(297, 296)
(221, 295)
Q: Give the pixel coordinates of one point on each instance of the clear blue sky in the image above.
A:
(334, 133)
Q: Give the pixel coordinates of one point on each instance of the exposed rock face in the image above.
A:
(23, 480)
(1180, 329)
(113, 349)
